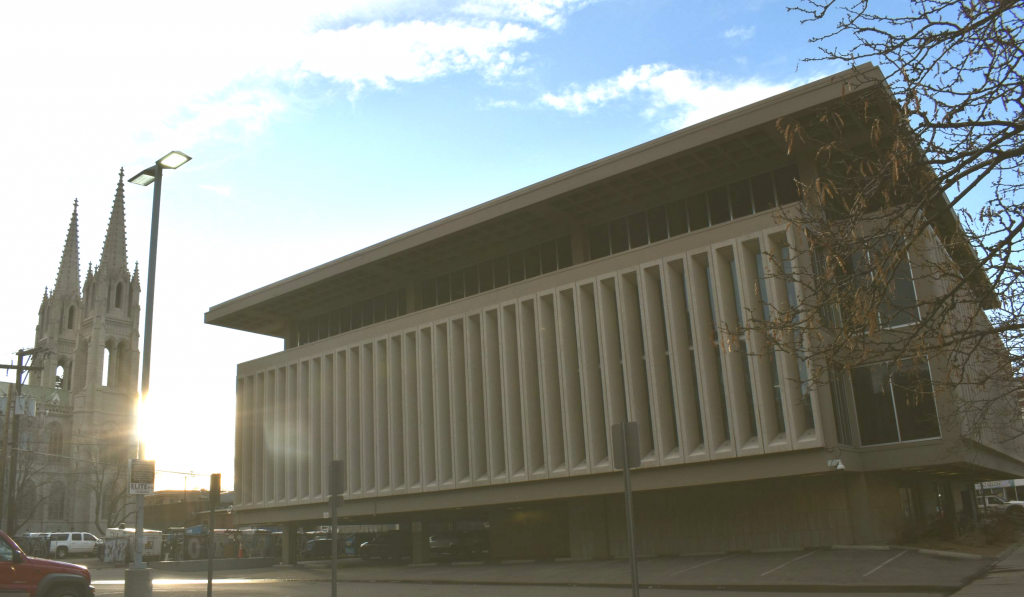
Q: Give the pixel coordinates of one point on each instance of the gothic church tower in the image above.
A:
(92, 333)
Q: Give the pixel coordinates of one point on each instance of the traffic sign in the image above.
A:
(141, 476)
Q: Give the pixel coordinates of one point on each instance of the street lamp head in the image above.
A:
(173, 160)
(144, 178)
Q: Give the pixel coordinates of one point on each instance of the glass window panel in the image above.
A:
(458, 282)
(718, 205)
(840, 406)
(697, 208)
(876, 417)
(402, 307)
(532, 258)
(444, 289)
(325, 325)
(638, 230)
(764, 192)
(564, 252)
(472, 277)
(599, 246)
(428, 293)
(392, 304)
(676, 218)
(379, 308)
(619, 234)
(548, 257)
(486, 270)
(367, 312)
(516, 272)
(501, 271)
(303, 325)
(900, 307)
(657, 224)
(314, 329)
(357, 316)
(785, 184)
(739, 198)
(345, 319)
(915, 402)
(335, 322)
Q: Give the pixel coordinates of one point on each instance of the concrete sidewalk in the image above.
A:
(1005, 578)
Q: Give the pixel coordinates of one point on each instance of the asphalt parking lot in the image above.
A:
(826, 570)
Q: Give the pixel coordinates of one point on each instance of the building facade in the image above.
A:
(472, 369)
(73, 460)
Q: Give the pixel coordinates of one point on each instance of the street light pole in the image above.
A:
(152, 174)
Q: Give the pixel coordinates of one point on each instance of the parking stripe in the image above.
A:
(878, 567)
(808, 554)
(701, 564)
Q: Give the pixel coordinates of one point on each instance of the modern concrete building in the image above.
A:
(472, 369)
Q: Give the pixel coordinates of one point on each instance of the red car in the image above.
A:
(37, 577)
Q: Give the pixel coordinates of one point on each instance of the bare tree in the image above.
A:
(907, 244)
(103, 480)
(39, 485)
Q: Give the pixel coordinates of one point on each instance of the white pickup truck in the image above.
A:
(997, 505)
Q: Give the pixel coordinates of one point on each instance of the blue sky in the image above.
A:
(318, 128)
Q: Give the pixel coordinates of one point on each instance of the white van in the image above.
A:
(63, 545)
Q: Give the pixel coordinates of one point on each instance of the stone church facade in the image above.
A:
(76, 449)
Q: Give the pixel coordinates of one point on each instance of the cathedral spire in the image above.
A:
(115, 248)
(68, 275)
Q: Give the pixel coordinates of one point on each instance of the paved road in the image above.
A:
(810, 572)
(244, 587)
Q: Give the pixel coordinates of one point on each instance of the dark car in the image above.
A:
(388, 546)
(449, 543)
(317, 549)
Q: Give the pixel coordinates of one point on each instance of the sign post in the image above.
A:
(141, 478)
(337, 487)
(214, 502)
(626, 448)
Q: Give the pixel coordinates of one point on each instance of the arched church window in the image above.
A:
(123, 367)
(56, 439)
(108, 364)
(55, 505)
(60, 376)
(117, 296)
(71, 317)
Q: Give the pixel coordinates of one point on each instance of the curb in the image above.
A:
(518, 562)
(778, 550)
(467, 563)
(862, 547)
(702, 554)
(951, 554)
(421, 565)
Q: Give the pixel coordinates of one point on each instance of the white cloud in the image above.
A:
(547, 13)
(222, 191)
(739, 32)
(675, 96)
(412, 51)
(136, 77)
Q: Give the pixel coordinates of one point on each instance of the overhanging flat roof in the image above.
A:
(261, 310)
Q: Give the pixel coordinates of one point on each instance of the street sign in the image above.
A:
(141, 476)
(632, 445)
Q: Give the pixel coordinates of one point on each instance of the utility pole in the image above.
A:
(12, 434)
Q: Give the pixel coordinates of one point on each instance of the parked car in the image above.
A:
(317, 549)
(449, 543)
(997, 505)
(63, 545)
(387, 546)
(24, 574)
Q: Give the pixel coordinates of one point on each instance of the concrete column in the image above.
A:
(420, 543)
(859, 498)
(289, 545)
